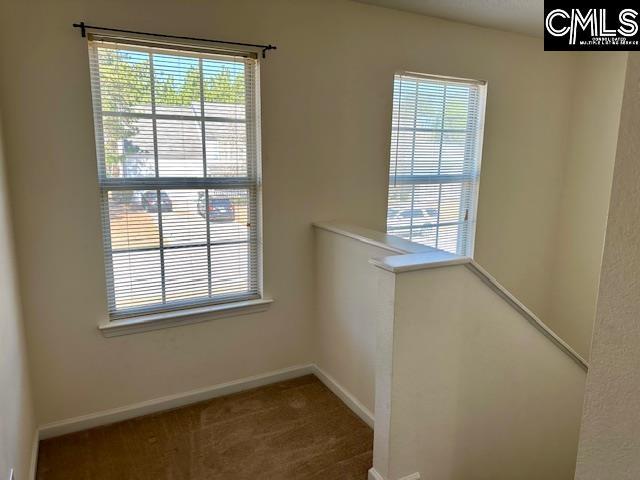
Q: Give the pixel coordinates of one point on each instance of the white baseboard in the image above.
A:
(33, 464)
(169, 402)
(106, 417)
(343, 394)
(374, 475)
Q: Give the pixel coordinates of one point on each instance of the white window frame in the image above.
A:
(469, 225)
(131, 320)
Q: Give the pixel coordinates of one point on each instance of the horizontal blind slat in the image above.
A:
(434, 160)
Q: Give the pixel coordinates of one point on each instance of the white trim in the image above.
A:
(343, 394)
(177, 318)
(33, 464)
(169, 402)
(142, 41)
(372, 237)
(531, 317)
(482, 107)
(419, 261)
(374, 475)
(441, 78)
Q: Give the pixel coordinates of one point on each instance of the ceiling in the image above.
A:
(520, 16)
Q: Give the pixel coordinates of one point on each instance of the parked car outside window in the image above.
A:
(220, 209)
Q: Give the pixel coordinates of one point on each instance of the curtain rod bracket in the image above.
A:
(83, 31)
(82, 27)
(267, 47)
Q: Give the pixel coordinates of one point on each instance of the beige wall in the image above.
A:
(17, 419)
(609, 440)
(475, 390)
(598, 86)
(326, 96)
(345, 320)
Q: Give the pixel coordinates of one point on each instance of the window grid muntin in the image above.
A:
(252, 263)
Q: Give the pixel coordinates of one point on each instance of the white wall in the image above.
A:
(345, 328)
(346, 313)
(17, 419)
(326, 97)
(597, 98)
(475, 391)
(609, 440)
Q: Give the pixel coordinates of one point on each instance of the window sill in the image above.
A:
(146, 323)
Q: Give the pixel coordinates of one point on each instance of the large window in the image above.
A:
(178, 147)
(436, 143)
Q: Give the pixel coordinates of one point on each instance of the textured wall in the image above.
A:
(609, 439)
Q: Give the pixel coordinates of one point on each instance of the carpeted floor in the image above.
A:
(293, 430)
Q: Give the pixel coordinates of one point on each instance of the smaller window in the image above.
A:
(436, 146)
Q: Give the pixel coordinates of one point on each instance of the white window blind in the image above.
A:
(436, 143)
(177, 140)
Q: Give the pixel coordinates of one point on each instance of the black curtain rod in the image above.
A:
(84, 27)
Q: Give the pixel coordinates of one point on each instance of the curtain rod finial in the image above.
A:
(268, 47)
(82, 27)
